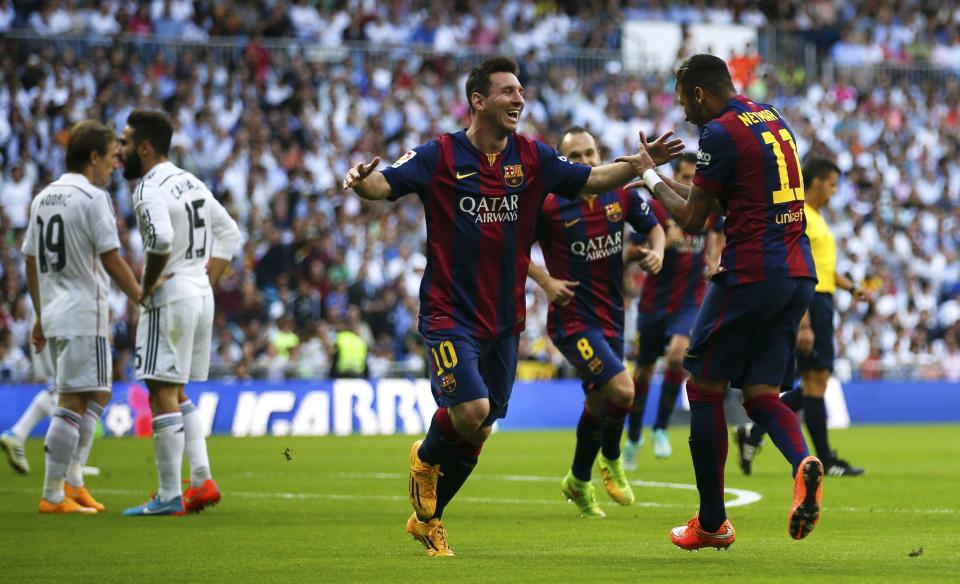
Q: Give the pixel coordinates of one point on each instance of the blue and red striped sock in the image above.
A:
(782, 425)
(708, 448)
(672, 380)
(612, 417)
(588, 445)
(635, 417)
(441, 437)
(457, 465)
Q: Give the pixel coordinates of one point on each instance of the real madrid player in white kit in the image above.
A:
(189, 239)
(71, 246)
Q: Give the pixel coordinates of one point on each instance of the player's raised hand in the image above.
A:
(663, 149)
(641, 162)
(38, 339)
(359, 172)
(560, 292)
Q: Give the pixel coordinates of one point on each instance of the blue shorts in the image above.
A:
(464, 368)
(597, 358)
(821, 319)
(655, 333)
(746, 334)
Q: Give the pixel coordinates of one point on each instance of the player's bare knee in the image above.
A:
(619, 390)
(75, 402)
(101, 398)
(815, 383)
(469, 417)
(712, 385)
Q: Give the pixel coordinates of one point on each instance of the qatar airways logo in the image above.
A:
(599, 247)
(484, 209)
(690, 244)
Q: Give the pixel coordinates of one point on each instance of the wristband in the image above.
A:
(651, 179)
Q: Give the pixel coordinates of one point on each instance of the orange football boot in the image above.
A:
(195, 499)
(693, 536)
(807, 498)
(82, 495)
(431, 534)
(68, 505)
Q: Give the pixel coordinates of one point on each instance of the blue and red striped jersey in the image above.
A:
(680, 283)
(582, 241)
(481, 211)
(748, 157)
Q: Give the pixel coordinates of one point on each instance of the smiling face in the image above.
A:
(503, 104)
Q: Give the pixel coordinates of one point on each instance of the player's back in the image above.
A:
(748, 156)
(71, 224)
(193, 214)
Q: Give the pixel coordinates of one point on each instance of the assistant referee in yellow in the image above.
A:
(815, 352)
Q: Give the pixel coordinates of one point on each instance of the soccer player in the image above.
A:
(668, 307)
(745, 332)
(43, 405)
(482, 189)
(815, 337)
(71, 246)
(582, 243)
(182, 225)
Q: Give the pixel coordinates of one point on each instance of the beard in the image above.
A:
(132, 167)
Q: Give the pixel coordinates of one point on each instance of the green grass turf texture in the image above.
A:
(336, 512)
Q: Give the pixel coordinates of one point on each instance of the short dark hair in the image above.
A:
(479, 79)
(705, 71)
(87, 137)
(152, 126)
(575, 130)
(690, 157)
(818, 167)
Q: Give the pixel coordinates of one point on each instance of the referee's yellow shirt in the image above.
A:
(824, 249)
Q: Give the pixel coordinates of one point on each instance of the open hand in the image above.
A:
(641, 162)
(663, 149)
(359, 172)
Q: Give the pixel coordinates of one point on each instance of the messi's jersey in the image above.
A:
(748, 157)
(582, 241)
(481, 211)
(680, 283)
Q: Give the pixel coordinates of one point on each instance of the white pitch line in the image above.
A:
(558, 501)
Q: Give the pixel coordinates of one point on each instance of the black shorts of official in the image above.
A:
(821, 319)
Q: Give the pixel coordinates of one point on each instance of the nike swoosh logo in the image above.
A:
(463, 176)
(571, 223)
(727, 534)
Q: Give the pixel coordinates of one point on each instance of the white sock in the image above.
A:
(61, 441)
(88, 426)
(41, 407)
(195, 446)
(168, 445)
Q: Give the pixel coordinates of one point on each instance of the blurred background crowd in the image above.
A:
(273, 102)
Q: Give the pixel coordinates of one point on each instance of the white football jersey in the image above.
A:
(177, 214)
(71, 224)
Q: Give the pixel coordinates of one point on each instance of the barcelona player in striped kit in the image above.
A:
(745, 333)
(667, 309)
(583, 242)
(482, 189)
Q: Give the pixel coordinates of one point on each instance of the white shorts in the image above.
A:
(81, 364)
(173, 341)
(42, 365)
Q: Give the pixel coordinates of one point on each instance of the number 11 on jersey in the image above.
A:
(787, 192)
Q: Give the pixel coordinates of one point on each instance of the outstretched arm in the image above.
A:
(610, 176)
(367, 182)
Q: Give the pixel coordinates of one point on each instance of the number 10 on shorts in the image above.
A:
(445, 356)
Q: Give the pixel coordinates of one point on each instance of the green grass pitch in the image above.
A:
(336, 512)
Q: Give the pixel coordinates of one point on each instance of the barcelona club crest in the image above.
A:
(614, 211)
(513, 175)
(596, 366)
(448, 383)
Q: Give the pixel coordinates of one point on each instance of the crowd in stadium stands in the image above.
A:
(273, 131)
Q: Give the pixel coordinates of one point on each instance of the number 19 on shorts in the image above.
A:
(445, 356)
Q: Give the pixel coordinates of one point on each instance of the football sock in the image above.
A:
(457, 465)
(195, 444)
(41, 407)
(793, 398)
(708, 448)
(815, 415)
(672, 380)
(168, 442)
(588, 445)
(782, 425)
(612, 417)
(635, 417)
(62, 437)
(441, 437)
(88, 427)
